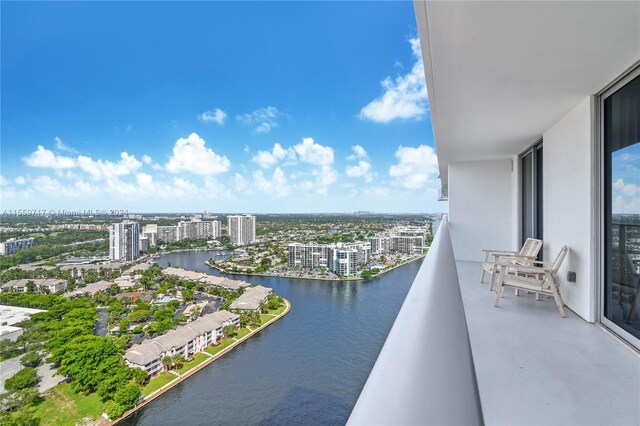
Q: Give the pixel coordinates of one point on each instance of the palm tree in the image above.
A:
(167, 362)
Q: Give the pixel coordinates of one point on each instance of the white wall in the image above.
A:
(567, 204)
(480, 207)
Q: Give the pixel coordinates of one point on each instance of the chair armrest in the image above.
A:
(501, 252)
(510, 267)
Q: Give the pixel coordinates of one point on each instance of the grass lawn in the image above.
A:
(197, 359)
(241, 333)
(157, 382)
(279, 310)
(62, 406)
(265, 318)
(221, 345)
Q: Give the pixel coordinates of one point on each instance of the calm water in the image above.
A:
(306, 369)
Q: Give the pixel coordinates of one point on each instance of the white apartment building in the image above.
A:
(535, 111)
(198, 229)
(144, 243)
(124, 241)
(167, 234)
(309, 255)
(343, 261)
(151, 232)
(186, 340)
(241, 229)
(406, 244)
(13, 245)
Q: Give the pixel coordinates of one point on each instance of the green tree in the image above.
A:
(114, 410)
(31, 359)
(23, 379)
(127, 396)
(31, 287)
(167, 362)
(178, 360)
(229, 330)
(139, 376)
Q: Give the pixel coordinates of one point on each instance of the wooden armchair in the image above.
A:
(538, 277)
(491, 258)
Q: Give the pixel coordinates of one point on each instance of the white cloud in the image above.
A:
(60, 146)
(20, 180)
(324, 177)
(266, 159)
(626, 197)
(277, 185)
(3, 181)
(44, 158)
(404, 97)
(314, 153)
(264, 119)
(362, 169)
(215, 116)
(99, 169)
(146, 159)
(358, 152)
(191, 155)
(416, 167)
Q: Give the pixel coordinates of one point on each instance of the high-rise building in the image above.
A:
(241, 229)
(309, 255)
(144, 243)
(167, 234)
(198, 229)
(13, 245)
(343, 261)
(124, 241)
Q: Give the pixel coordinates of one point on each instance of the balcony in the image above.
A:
(520, 363)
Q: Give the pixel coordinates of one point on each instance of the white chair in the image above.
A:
(538, 279)
(491, 258)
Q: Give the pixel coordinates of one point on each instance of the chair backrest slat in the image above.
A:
(560, 258)
(531, 247)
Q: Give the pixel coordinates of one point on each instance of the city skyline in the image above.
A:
(219, 119)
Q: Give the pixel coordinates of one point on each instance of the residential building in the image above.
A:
(379, 244)
(343, 261)
(186, 340)
(198, 229)
(144, 243)
(252, 298)
(167, 234)
(91, 289)
(13, 245)
(124, 241)
(151, 232)
(205, 279)
(241, 229)
(309, 255)
(104, 269)
(534, 109)
(406, 244)
(40, 285)
(217, 228)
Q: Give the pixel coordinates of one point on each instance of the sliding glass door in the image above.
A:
(531, 190)
(621, 199)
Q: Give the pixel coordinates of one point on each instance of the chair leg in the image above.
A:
(537, 297)
(516, 292)
(499, 290)
(482, 275)
(556, 295)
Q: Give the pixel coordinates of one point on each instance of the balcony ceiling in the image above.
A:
(500, 73)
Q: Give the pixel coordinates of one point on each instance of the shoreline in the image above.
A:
(313, 279)
(200, 366)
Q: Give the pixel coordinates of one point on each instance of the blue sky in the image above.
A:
(257, 107)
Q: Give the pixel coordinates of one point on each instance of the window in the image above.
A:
(531, 189)
(621, 207)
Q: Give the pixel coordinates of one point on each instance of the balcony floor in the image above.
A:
(537, 368)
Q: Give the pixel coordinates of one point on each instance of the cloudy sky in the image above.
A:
(257, 107)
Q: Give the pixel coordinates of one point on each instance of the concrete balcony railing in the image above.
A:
(425, 372)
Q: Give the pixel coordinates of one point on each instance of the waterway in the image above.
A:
(306, 369)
